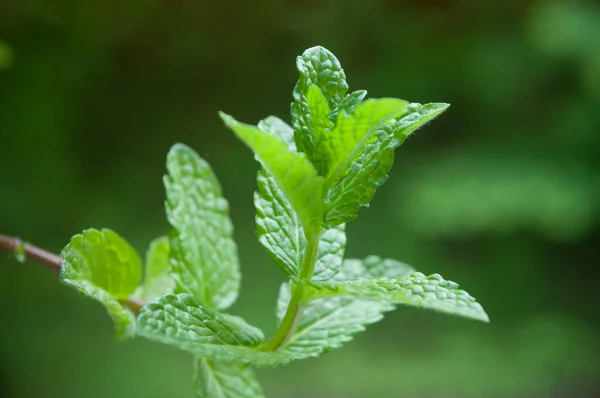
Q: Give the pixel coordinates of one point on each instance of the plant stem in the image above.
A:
(16, 247)
(292, 315)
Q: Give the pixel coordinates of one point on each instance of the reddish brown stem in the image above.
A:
(16, 247)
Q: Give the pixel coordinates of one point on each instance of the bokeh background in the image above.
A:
(502, 193)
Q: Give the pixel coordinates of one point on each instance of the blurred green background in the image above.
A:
(501, 194)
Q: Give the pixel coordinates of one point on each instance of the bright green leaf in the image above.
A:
(183, 322)
(316, 66)
(279, 128)
(374, 267)
(293, 173)
(204, 260)
(103, 266)
(348, 104)
(214, 379)
(417, 290)
(320, 124)
(369, 170)
(157, 278)
(352, 132)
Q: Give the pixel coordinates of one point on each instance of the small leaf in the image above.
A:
(214, 379)
(417, 290)
(157, 278)
(352, 132)
(103, 266)
(293, 173)
(369, 170)
(203, 253)
(183, 322)
(316, 66)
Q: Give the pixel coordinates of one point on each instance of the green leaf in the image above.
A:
(157, 278)
(204, 260)
(182, 321)
(352, 132)
(316, 66)
(417, 290)
(369, 170)
(331, 253)
(374, 267)
(348, 104)
(279, 128)
(214, 379)
(292, 172)
(103, 266)
(320, 123)
(328, 323)
(280, 231)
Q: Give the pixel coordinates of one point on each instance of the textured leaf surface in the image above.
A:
(329, 322)
(369, 170)
(331, 253)
(348, 104)
(430, 292)
(214, 379)
(157, 278)
(103, 266)
(182, 321)
(292, 172)
(204, 258)
(351, 133)
(320, 67)
(280, 231)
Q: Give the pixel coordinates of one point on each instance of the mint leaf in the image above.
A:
(369, 170)
(182, 321)
(203, 253)
(327, 323)
(331, 253)
(280, 231)
(417, 290)
(348, 104)
(320, 123)
(320, 67)
(352, 132)
(374, 267)
(293, 173)
(214, 379)
(157, 278)
(103, 266)
(279, 128)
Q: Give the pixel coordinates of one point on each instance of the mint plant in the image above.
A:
(314, 177)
